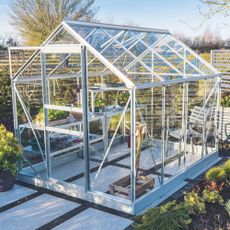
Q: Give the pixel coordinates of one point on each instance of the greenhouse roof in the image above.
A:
(138, 56)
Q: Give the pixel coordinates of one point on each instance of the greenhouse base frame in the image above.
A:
(152, 199)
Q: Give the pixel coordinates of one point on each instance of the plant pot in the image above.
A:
(122, 186)
(6, 180)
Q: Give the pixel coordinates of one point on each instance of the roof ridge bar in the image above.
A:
(117, 27)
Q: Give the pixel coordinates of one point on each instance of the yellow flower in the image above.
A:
(191, 199)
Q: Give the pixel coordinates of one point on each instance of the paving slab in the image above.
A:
(16, 193)
(93, 219)
(35, 213)
(107, 176)
(149, 157)
(69, 169)
(115, 151)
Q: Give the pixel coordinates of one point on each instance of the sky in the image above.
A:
(178, 16)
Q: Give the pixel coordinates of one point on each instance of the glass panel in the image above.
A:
(175, 130)
(63, 37)
(148, 139)
(195, 122)
(211, 115)
(112, 152)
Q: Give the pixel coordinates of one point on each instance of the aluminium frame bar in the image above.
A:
(116, 27)
(59, 76)
(85, 117)
(163, 135)
(175, 81)
(45, 112)
(133, 146)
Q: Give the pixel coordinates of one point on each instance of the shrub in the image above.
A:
(225, 101)
(10, 151)
(212, 197)
(194, 203)
(227, 207)
(219, 174)
(226, 168)
(216, 174)
(170, 216)
(6, 114)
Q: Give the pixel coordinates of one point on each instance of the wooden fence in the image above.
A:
(220, 59)
(4, 59)
(225, 118)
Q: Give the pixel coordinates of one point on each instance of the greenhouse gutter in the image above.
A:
(176, 81)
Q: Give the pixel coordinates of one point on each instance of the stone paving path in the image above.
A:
(26, 207)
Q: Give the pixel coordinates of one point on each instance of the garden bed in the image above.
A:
(206, 206)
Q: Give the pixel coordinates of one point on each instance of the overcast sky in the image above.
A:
(174, 15)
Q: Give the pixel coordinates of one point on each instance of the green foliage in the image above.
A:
(53, 115)
(10, 151)
(219, 174)
(170, 216)
(6, 116)
(99, 103)
(216, 174)
(227, 207)
(225, 101)
(205, 56)
(226, 168)
(212, 197)
(194, 203)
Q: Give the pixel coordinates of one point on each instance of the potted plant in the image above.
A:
(10, 154)
(56, 117)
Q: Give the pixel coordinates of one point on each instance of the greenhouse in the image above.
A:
(121, 116)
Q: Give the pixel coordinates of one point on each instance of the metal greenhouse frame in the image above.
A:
(117, 115)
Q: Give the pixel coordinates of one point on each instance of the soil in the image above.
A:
(215, 218)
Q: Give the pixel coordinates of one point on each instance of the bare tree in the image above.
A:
(216, 7)
(36, 19)
(204, 43)
(7, 42)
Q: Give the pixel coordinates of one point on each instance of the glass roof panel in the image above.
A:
(142, 54)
